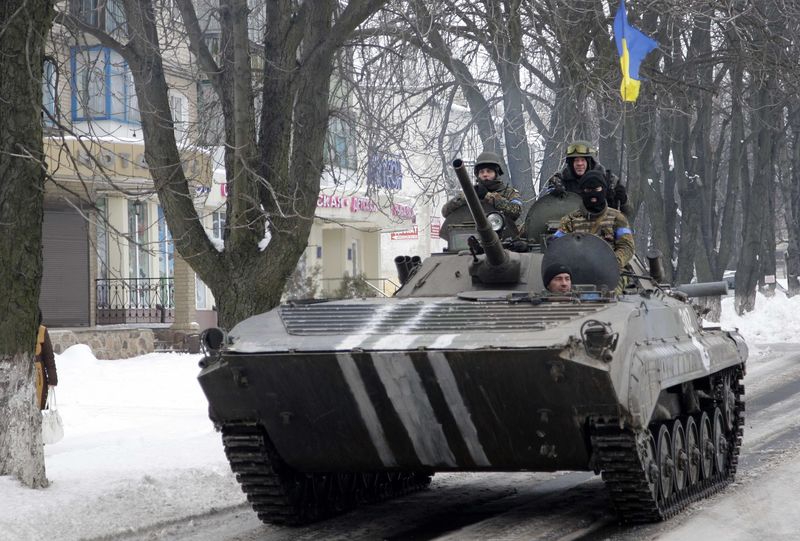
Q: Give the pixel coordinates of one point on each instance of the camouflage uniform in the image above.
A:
(610, 225)
(510, 201)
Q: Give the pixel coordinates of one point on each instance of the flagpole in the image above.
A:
(622, 143)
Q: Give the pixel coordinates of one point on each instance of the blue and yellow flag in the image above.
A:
(632, 46)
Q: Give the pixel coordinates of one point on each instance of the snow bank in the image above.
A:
(138, 450)
(775, 319)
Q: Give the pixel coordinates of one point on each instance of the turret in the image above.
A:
(499, 266)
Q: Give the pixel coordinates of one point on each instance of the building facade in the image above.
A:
(108, 255)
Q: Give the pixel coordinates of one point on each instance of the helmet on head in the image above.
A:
(581, 149)
(490, 160)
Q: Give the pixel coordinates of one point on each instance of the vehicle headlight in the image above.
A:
(496, 221)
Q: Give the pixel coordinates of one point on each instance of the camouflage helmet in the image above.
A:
(581, 149)
(488, 159)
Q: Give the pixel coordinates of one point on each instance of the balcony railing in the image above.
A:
(135, 300)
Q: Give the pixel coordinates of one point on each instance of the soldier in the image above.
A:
(490, 188)
(580, 158)
(557, 278)
(597, 218)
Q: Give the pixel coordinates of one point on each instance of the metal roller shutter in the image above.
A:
(64, 297)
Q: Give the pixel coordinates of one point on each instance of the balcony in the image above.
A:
(135, 300)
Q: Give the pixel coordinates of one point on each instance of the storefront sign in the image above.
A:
(436, 226)
(406, 235)
(361, 204)
(403, 211)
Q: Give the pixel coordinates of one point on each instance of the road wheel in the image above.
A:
(692, 451)
(666, 462)
(679, 455)
(706, 446)
(720, 442)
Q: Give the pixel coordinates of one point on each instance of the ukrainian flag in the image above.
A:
(632, 46)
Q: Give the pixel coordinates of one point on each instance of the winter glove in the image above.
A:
(493, 198)
(481, 190)
(452, 205)
(557, 187)
(620, 194)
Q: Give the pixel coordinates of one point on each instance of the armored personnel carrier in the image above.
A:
(473, 366)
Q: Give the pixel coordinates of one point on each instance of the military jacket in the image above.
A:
(610, 225)
(510, 202)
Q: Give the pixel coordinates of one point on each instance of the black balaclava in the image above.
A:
(593, 179)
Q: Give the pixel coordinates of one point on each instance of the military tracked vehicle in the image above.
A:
(473, 366)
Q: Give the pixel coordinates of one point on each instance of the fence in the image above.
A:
(135, 300)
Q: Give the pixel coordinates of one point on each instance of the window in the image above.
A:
(384, 171)
(49, 92)
(87, 11)
(212, 42)
(107, 15)
(138, 255)
(102, 86)
(102, 250)
(340, 145)
(166, 256)
(176, 106)
(218, 224)
(354, 255)
(115, 18)
(166, 260)
(200, 296)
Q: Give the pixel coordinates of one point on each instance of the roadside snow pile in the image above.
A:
(138, 450)
(770, 322)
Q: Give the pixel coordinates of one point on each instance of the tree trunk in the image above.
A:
(750, 267)
(24, 26)
(793, 204)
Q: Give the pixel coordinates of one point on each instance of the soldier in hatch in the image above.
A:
(557, 278)
(597, 218)
(490, 189)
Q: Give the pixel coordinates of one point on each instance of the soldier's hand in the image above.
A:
(557, 187)
(481, 190)
(493, 198)
(620, 194)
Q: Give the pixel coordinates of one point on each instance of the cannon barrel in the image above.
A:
(490, 242)
(403, 263)
(654, 260)
(704, 289)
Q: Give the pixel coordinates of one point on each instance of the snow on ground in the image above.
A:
(139, 449)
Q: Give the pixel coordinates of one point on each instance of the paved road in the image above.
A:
(561, 506)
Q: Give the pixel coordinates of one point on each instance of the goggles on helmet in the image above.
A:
(579, 148)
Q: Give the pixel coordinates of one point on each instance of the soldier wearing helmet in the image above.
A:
(490, 188)
(580, 158)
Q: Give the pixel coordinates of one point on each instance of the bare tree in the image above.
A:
(273, 162)
(24, 25)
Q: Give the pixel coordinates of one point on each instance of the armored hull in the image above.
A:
(420, 385)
